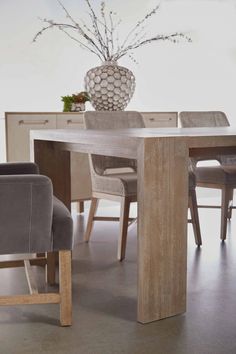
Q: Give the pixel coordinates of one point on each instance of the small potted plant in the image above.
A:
(75, 102)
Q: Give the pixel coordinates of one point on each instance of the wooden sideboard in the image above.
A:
(19, 124)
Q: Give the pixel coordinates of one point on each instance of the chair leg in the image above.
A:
(65, 288)
(80, 207)
(124, 219)
(51, 268)
(231, 197)
(195, 217)
(225, 200)
(92, 212)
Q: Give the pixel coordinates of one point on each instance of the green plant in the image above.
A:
(80, 97)
(68, 100)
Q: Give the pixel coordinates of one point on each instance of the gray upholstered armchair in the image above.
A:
(33, 221)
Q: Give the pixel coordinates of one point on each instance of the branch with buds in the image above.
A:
(101, 36)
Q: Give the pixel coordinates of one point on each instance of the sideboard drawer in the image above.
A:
(70, 121)
(160, 119)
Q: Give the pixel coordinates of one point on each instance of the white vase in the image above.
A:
(110, 86)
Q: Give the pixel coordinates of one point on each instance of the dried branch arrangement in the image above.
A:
(101, 35)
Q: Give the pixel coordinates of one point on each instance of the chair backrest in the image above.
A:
(203, 119)
(102, 120)
(194, 119)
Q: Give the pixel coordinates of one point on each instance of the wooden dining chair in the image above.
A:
(110, 180)
(221, 177)
(113, 178)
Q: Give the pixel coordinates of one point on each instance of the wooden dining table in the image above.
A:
(162, 166)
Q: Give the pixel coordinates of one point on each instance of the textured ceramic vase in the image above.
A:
(110, 86)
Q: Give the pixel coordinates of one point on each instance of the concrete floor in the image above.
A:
(104, 300)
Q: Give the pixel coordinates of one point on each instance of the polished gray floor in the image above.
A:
(104, 300)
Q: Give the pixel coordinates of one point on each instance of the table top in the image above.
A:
(125, 142)
(135, 132)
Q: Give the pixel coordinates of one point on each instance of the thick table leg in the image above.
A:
(162, 228)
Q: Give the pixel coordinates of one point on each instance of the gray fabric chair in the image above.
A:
(110, 182)
(109, 179)
(220, 177)
(33, 221)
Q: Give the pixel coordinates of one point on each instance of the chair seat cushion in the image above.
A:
(62, 227)
(216, 174)
(122, 184)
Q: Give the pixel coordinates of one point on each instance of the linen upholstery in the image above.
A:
(224, 174)
(203, 119)
(191, 181)
(129, 183)
(122, 184)
(31, 219)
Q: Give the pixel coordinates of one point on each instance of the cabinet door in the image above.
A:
(18, 126)
(80, 172)
(160, 119)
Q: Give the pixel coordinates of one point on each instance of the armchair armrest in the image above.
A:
(18, 168)
(26, 205)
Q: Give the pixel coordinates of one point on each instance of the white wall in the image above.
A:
(199, 75)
